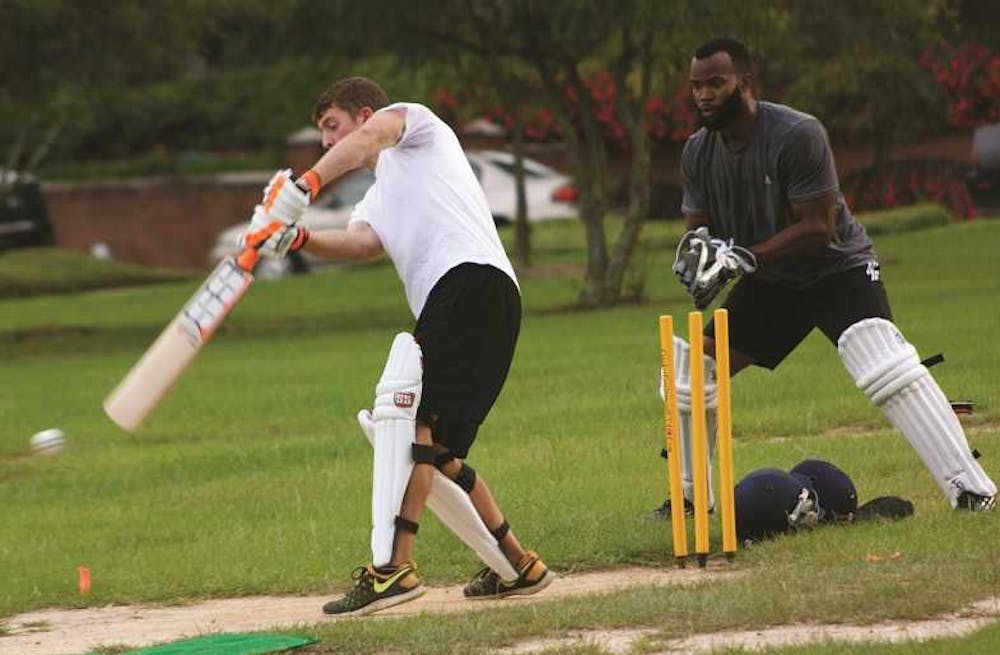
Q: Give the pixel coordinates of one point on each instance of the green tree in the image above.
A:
(855, 65)
(61, 57)
(114, 77)
(514, 44)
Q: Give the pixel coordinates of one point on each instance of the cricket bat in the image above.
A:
(149, 380)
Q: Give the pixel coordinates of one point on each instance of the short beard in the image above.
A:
(731, 110)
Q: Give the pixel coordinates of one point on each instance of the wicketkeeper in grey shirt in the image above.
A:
(763, 207)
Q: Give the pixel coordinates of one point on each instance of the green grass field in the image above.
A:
(252, 476)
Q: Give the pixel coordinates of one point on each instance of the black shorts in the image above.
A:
(767, 321)
(467, 332)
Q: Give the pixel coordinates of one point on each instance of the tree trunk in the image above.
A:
(14, 154)
(587, 154)
(43, 148)
(632, 114)
(638, 211)
(593, 195)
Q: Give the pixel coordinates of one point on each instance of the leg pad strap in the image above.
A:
(440, 459)
(501, 531)
(423, 454)
(406, 525)
(466, 478)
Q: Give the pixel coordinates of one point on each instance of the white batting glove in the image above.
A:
(283, 199)
(283, 202)
(283, 240)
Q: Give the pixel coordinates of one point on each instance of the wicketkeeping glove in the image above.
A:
(705, 265)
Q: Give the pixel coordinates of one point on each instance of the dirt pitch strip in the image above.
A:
(75, 632)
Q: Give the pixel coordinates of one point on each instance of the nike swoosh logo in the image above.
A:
(381, 587)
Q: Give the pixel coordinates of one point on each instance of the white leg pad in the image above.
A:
(397, 397)
(455, 509)
(682, 382)
(887, 369)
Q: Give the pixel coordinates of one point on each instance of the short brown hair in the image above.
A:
(351, 94)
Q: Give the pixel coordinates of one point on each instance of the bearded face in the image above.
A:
(719, 91)
(730, 110)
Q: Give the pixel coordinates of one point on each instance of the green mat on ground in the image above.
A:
(226, 644)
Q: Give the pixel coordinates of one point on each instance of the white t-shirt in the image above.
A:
(428, 208)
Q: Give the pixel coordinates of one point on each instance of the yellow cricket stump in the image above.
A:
(671, 418)
(725, 433)
(699, 437)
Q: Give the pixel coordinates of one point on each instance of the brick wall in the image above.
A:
(157, 222)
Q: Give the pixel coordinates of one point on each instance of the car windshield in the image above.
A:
(508, 167)
(505, 162)
(349, 190)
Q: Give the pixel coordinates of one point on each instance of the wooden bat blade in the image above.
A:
(149, 380)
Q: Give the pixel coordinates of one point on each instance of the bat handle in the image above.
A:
(248, 259)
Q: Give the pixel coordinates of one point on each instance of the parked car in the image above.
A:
(983, 180)
(549, 194)
(24, 220)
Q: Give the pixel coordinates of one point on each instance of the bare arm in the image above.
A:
(814, 226)
(694, 222)
(358, 241)
(361, 147)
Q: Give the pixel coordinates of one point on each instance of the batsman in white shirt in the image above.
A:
(427, 212)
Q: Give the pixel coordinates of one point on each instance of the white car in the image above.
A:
(549, 195)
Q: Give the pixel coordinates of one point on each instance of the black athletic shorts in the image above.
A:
(767, 321)
(467, 331)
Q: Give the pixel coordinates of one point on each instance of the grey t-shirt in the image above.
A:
(748, 194)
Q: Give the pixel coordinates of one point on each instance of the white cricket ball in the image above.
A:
(48, 442)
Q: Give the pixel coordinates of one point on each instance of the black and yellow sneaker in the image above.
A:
(377, 589)
(533, 576)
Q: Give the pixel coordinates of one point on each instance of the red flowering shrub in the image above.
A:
(602, 90)
(909, 182)
(539, 124)
(970, 73)
(671, 118)
(446, 106)
(668, 118)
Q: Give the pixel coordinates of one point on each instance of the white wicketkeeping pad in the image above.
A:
(397, 398)
(682, 383)
(887, 368)
(454, 508)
